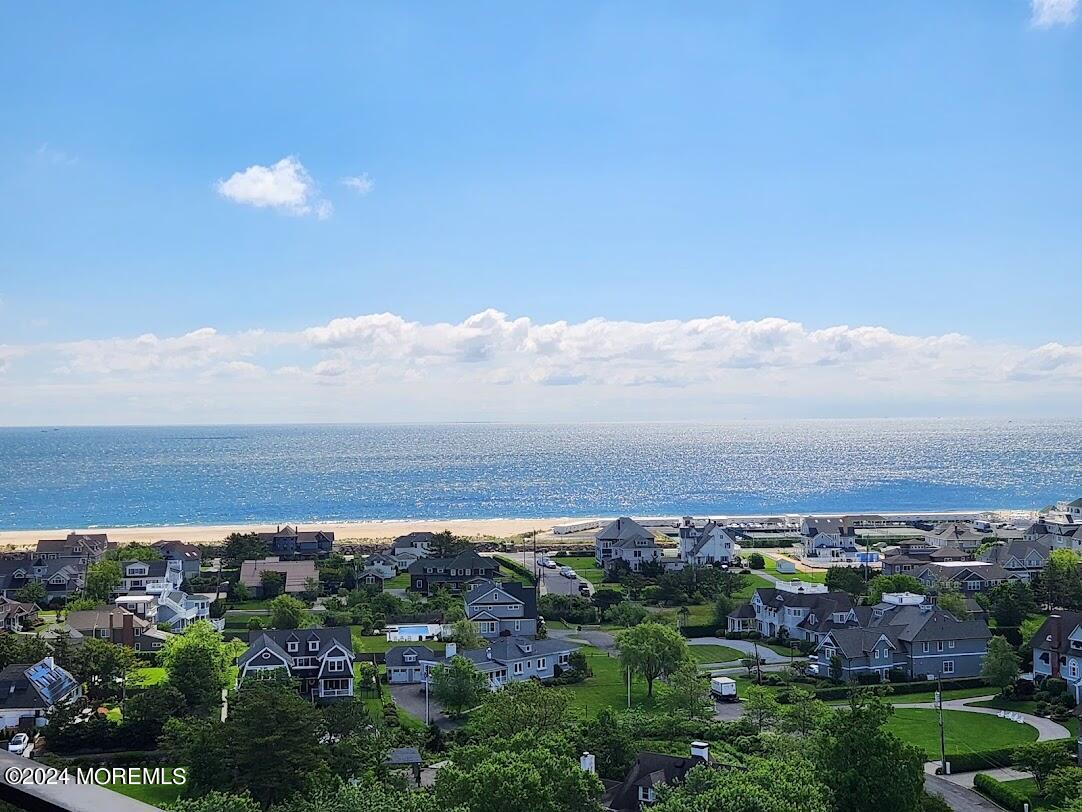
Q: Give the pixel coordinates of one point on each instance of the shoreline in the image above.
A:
(386, 529)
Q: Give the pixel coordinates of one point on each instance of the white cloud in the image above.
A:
(54, 156)
(361, 184)
(285, 186)
(492, 362)
(1049, 13)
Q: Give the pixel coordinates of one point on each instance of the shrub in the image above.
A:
(756, 561)
(1003, 794)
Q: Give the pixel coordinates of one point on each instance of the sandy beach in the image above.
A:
(343, 531)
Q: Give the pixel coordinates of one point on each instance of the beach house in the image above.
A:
(295, 573)
(289, 542)
(1057, 650)
(320, 660)
(798, 611)
(187, 554)
(502, 609)
(88, 546)
(707, 544)
(456, 574)
(30, 691)
(625, 540)
(62, 576)
(504, 660)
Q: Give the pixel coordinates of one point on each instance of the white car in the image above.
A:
(567, 572)
(19, 744)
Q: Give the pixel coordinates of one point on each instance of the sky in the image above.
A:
(272, 212)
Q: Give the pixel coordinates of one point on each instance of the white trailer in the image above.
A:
(723, 689)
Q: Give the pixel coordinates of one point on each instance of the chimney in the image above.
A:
(50, 663)
(452, 649)
(700, 750)
(127, 633)
(587, 762)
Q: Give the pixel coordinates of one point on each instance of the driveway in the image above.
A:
(411, 699)
(745, 646)
(1046, 728)
(960, 799)
(602, 640)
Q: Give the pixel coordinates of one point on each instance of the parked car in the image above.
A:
(584, 588)
(19, 744)
(567, 572)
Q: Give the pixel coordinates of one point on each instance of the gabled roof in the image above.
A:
(1055, 631)
(412, 539)
(624, 530)
(650, 770)
(38, 685)
(395, 656)
(518, 593)
(856, 642)
(467, 559)
(1018, 550)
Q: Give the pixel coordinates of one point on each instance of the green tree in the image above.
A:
(1000, 665)
(447, 545)
(240, 547)
(951, 600)
(1063, 785)
(764, 785)
(466, 636)
(21, 648)
(458, 686)
(217, 802)
(146, 712)
(135, 551)
(835, 668)
(730, 582)
(32, 592)
(483, 780)
(651, 650)
(893, 583)
(521, 707)
(63, 651)
(1011, 602)
(756, 561)
(103, 578)
(272, 582)
(197, 664)
(238, 592)
(686, 693)
(627, 614)
(870, 768)
(270, 717)
(605, 598)
(760, 707)
(311, 590)
(104, 667)
(366, 795)
(846, 579)
(201, 744)
(608, 738)
(1060, 581)
(723, 607)
(288, 613)
(804, 714)
(255, 623)
(1042, 759)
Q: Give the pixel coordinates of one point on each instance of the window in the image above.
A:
(335, 665)
(542, 664)
(518, 668)
(518, 625)
(1074, 669)
(948, 666)
(938, 645)
(291, 646)
(103, 632)
(925, 647)
(877, 654)
(409, 658)
(950, 644)
(313, 645)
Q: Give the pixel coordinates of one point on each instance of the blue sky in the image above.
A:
(912, 166)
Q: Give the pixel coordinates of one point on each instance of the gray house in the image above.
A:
(61, 575)
(625, 540)
(1021, 559)
(799, 612)
(187, 554)
(502, 609)
(321, 660)
(966, 576)
(1057, 650)
(507, 659)
(904, 633)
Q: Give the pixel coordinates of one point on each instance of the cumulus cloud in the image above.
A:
(672, 368)
(285, 186)
(361, 184)
(1050, 13)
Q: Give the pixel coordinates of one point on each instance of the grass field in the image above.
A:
(154, 794)
(369, 643)
(964, 731)
(400, 581)
(929, 696)
(586, 568)
(606, 688)
(1028, 787)
(714, 654)
(149, 676)
(807, 577)
(1025, 707)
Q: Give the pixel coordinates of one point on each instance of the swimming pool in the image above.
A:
(414, 632)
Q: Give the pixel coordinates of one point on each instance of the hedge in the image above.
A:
(699, 631)
(989, 759)
(1003, 794)
(842, 691)
(516, 568)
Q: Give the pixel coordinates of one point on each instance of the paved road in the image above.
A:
(1046, 728)
(960, 799)
(551, 580)
(966, 779)
(595, 637)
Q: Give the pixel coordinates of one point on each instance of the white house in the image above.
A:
(625, 540)
(709, 544)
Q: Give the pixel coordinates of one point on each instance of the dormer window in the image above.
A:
(313, 645)
(292, 646)
(409, 658)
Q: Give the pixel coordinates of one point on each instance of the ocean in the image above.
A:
(84, 477)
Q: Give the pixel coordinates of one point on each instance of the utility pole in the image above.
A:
(629, 687)
(758, 667)
(428, 721)
(942, 734)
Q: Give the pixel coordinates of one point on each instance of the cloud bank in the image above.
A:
(382, 366)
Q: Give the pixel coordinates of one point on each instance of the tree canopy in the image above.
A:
(651, 650)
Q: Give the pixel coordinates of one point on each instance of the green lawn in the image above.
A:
(929, 696)
(1028, 787)
(149, 676)
(252, 604)
(964, 731)
(154, 794)
(607, 688)
(1025, 706)
(807, 577)
(586, 567)
(400, 581)
(752, 582)
(368, 643)
(714, 654)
